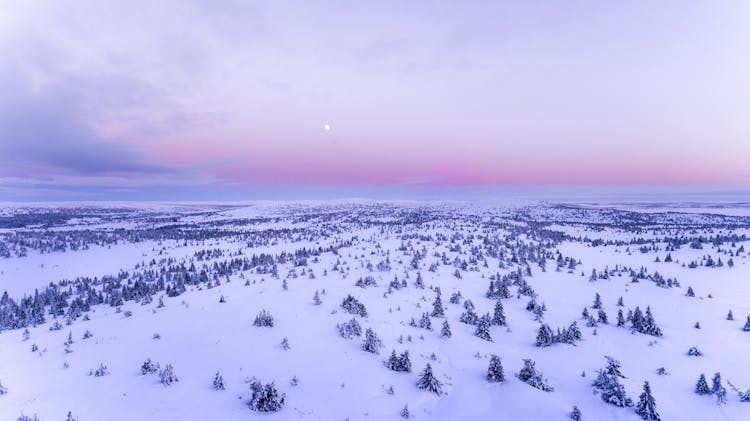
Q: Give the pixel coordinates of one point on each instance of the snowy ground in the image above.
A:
(120, 251)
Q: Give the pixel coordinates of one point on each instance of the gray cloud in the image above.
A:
(46, 127)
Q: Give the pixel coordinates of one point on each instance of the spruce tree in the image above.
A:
(392, 362)
(425, 322)
(746, 328)
(646, 406)
(419, 283)
(597, 302)
(620, 318)
(371, 342)
(316, 299)
(608, 384)
(602, 317)
(491, 290)
(650, 326)
(404, 362)
(265, 398)
(428, 381)
(469, 317)
(495, 370)
(701, 387)
(530, 376)
(446, 330)
(263, 319)
(437, 307)
(637, 320)
(483, 328)
(498, 317)
(575, 415)
(544, 336)
(218, 382)
(574, 333)
(167, 376)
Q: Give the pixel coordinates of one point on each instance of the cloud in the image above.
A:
(46, 127)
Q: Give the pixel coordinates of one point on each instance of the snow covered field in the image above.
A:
(182, 286)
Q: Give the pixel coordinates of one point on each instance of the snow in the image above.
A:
(337, 379)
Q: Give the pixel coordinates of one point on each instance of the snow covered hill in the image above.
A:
(93, 293)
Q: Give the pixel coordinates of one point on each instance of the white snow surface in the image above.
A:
(337, 379)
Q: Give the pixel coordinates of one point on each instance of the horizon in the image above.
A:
(421, 194)
(233, 101)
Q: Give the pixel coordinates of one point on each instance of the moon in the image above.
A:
(327, 127)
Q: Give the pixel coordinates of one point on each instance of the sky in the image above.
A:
(232, 100)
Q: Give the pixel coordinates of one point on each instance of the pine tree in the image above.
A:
(167, 376)
(730, 316)
(608, 384)
(620, 318)
(637, 320)
(437, 307)
(446, 330)
(405, 412)
(371, 343)
(501, 290)
(650, 326)
(646, 406)
(404, 362)
(701, 387)
(495, 370)
(544, 337)
(425, 322)
(746, 328)
(218, 382)
(597, 302)
(148, 367)
(352, 306)
(602, 317)
(316, 299)
(428, 381)
(265, 398)
(490, 290)
(263, 319)
(469, 317)
(574, 333)
(530, 376)
(620, 303)
(350, 329)
(576, 414)
(483, 328)
(399, 363)
(498, 318)
(419, 283)
(392, 362)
